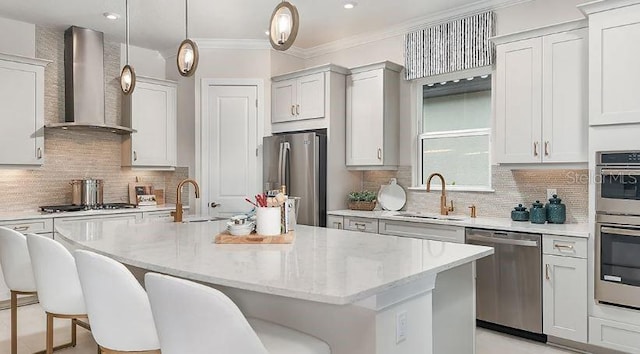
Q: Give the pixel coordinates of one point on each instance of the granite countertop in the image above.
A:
(574, 230)
(37, 214)
(323, 265)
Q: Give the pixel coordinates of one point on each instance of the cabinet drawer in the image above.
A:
(361, 224)
(614, 335)
(29, 225)
(335, 222)
(126, 216)
(422, 230)
(564, 246)
(157, 214)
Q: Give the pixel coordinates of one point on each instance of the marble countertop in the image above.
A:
(323, 265)
(574, 230)
(37, 214)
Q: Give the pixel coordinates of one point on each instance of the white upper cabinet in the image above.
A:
(298, 98)
(151, 111)
(21, 110)
(614, 31)
(373, 116)
(541, 96)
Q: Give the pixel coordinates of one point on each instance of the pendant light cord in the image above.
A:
(186, 19)
(127, 30)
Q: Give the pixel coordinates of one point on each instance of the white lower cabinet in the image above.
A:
(614, 335)
(164, 214)
(335, 222)
(426, 231)
(564, 290)
(360, 224)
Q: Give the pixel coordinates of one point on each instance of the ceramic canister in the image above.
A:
(556, 211)
(520, 213)
(538, 213)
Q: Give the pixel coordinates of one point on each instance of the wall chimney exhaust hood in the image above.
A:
(84, 82)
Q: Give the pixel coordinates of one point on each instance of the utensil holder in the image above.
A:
(268, 221)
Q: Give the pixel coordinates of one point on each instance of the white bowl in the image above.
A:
(240, 230)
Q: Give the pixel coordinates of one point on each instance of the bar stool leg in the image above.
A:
(14, 322)
(49, 333)
(74, 323)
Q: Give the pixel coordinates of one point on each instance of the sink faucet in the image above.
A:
(177, 215)
(444, 209)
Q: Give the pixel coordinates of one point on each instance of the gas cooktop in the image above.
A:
(72, 207)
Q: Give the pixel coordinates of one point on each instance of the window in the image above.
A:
(455, 133)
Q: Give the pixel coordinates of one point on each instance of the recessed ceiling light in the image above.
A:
(266, 33)
(350, 4)
(111, 15)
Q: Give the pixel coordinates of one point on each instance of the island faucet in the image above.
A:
(444, 209)
(177, 215)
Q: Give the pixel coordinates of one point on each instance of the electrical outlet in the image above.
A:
(551, 192)
(401, 327)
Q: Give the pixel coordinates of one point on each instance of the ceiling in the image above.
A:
(159, 24)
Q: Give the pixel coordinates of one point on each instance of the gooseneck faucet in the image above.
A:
(444, 209)
(177, 215)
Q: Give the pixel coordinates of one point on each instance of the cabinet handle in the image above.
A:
(293, 110)
(21, 228)
(360, 226)
(297, 109)
(546, 272)
(546, 148)
(379, 154)
(39, 153)
(337, 225)
(535, 149)
(135, 156)
(563, 247)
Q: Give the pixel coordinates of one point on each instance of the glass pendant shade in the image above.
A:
(187, 58)
(284, 26)
(127, 79)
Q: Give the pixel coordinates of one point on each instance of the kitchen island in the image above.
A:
(362, 294)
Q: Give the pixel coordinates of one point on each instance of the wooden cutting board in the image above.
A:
(226, 238)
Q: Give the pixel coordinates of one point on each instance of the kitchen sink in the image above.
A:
(432, 216)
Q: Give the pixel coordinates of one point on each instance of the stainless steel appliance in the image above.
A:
(87, 192)
(618, 182)
(509, 283)
(69, 208)
(617, 261)
(299, 161)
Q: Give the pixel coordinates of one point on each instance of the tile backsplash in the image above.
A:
(78, 154)
(511, 187)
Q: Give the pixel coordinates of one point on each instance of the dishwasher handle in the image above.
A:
(503, 241)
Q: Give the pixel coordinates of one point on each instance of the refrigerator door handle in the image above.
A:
(280, 165)
(286, 150)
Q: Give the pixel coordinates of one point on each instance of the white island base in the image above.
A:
(360, 293)
(440, 316)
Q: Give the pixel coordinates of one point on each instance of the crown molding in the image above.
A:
(409, 26)
(360, 39)
(542, 31)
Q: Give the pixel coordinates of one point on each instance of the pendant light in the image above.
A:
(284, 25)
(128, 75)
(187, 58)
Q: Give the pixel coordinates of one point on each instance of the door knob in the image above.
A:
(214, 205)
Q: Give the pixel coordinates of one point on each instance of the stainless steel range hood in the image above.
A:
(84, 82)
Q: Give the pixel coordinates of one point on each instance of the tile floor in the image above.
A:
(31, 329)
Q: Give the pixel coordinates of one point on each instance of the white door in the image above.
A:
(365, 118)
(519, 102)
(565, 88)
(564, 294)
(310, 96)
(283, 102)
(233, 166)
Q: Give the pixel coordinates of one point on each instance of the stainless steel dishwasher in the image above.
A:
(509, 283)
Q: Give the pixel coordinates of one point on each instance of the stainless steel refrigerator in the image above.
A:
(299, 161)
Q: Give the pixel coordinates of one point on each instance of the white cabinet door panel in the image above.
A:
(564, 291)
(283, 100)
(151, 107)
(310, 96)
(565, 90)
(21, 113)
(614, 49)
(519, 102)
(365, 118)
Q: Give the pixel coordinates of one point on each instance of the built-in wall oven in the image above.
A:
(617, 276)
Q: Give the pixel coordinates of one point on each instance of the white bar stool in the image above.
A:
(117, 305)
(58, 286)
(196, 319)
(17, 272)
